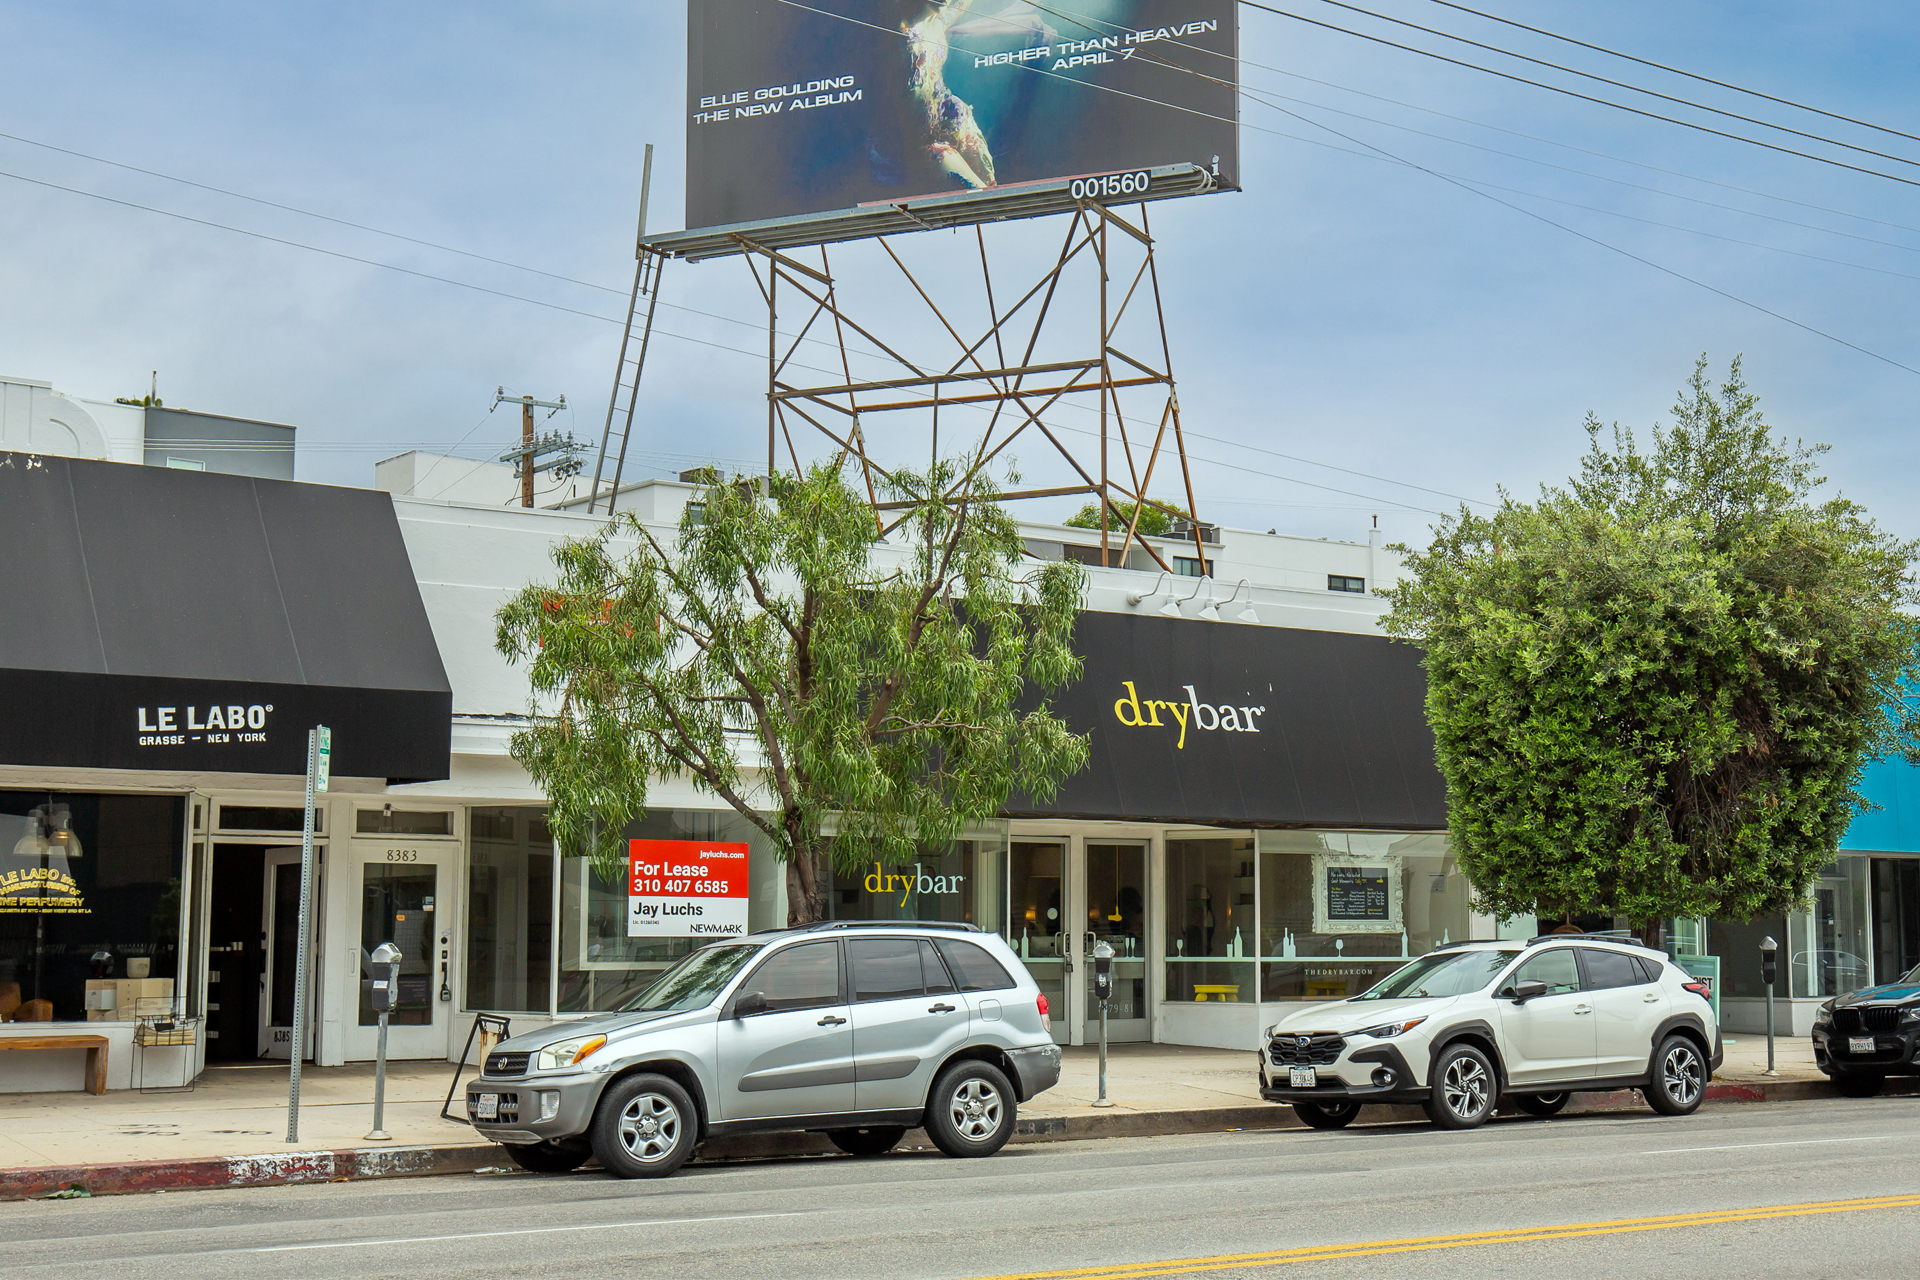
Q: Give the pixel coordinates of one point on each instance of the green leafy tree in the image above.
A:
(784, 660)
(1653, 690)
(1155, 522)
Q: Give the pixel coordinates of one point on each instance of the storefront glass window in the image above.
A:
(509, 911)
(1210, 924)
(1341, 910)
(1828, 944)
(601, 967)
(89, 904)
(1737, 943)
(965, 883)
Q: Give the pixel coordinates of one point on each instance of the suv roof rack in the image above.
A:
(818, 925)
(1619, 937)
(1468, 942)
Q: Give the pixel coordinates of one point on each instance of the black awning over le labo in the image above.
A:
(1237, 724)
(179, 620)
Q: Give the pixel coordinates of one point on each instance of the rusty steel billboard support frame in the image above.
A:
(1123, 255)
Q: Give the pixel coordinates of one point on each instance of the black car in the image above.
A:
(1861, 1038)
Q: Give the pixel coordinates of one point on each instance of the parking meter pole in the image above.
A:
(1769, 975)
(380, 1133)
(383, 968)
(1103, 991)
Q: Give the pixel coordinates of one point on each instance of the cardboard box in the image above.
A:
(113, 999)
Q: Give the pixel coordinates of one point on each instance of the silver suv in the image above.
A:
(1464, 1026)
(860, 1030)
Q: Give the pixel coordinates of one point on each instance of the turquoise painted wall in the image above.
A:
(1895, 826)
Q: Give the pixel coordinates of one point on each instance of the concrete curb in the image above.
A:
(277, 1169)
(285, 1168)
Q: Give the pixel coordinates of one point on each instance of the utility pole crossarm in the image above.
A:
(526, 457)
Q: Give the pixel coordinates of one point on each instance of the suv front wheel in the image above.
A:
(1465, 1088)
(971, 1110)
(645, 1127)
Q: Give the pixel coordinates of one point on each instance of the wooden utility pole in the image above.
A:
(526, 457)
(526, 452)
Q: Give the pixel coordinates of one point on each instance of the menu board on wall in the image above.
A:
(1358, 893)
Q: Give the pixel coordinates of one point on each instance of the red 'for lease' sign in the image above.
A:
(686, 889)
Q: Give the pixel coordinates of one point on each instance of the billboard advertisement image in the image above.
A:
(807, 106)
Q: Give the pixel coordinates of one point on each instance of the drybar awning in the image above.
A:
(1241, 725)
(169, 620)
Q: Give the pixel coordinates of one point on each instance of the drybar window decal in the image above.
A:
(1222, 725)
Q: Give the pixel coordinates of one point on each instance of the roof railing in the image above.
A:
(820, 925)
(1620, 937)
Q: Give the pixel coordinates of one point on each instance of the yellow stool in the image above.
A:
(1218, 990)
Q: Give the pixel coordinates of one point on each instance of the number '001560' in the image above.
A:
(1113, 184)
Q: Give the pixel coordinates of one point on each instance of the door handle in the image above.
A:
(940, 1008)
(1583, 1008)
(830, 1021)
(1650, 998)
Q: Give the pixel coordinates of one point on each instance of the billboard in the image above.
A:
(801, 107)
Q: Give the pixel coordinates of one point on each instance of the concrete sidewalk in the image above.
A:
(232, 1128)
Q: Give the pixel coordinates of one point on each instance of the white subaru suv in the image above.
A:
(1468, 1024)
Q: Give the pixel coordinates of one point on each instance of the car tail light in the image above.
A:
(1040, 1003)
(1700, 987)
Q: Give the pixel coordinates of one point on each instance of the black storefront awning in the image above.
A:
(1240, 725)
(178, 620)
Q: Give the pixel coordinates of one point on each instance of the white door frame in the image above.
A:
(276, 1041)
(444, 854)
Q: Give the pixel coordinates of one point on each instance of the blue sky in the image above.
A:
(1344, 310)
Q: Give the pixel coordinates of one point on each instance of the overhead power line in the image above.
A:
(1691, 75)
(1243, 62)
(1571, 93)
(1619, 84)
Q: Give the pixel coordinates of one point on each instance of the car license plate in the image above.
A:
(487, 1106)
(1302, 1078)
(1859, 1044)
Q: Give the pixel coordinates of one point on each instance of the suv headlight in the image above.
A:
(1823, 1016)
(1388, 1030)
(1912, 1013)
(567, 1053)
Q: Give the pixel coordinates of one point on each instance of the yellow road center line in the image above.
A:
(1421, 1244)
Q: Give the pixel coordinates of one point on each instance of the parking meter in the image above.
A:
(383, 966)
(1103, 992)
(1769, 974)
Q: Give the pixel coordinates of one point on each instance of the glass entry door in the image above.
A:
(403, 890)
(280, 928)
(1038, 925)
(1116, 898)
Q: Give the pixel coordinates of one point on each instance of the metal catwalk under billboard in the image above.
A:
(806, 106)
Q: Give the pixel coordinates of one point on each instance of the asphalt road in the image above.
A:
(1823, 1188)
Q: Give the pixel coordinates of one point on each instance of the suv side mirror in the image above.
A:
(749, 1004)
(1525, 991)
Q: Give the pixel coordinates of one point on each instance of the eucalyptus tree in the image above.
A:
(1654, 689)
(784, 658)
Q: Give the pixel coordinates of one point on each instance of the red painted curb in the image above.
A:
(245, 1171)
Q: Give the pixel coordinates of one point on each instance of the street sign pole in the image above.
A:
(319, 774)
